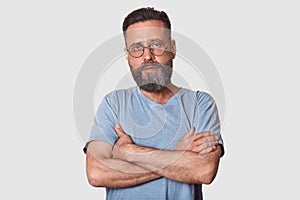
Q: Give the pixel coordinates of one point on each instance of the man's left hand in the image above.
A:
(123, 141)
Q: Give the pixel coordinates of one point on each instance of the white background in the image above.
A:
(254, 45)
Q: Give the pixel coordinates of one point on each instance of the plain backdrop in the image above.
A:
(255, 48)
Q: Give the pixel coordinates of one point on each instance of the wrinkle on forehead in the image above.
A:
(146, 35)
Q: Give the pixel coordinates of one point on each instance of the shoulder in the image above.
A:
(199, 96)
(120, 94)
(204, 97)
(113, 100)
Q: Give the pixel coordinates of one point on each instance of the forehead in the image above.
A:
(143, 32)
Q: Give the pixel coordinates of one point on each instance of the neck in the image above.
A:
(162, 96)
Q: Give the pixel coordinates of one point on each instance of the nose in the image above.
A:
(148, 54)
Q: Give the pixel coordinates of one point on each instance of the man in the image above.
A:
(156, 140)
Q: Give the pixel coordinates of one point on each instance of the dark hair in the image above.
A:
(144, 14)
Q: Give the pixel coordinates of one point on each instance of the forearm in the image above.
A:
(115, 173)
(182, 166)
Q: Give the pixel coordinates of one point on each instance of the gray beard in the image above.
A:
(154, 81)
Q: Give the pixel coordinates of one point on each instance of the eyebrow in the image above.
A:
(149, 41)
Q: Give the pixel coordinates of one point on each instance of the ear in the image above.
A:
(173, 48)
(126, 53)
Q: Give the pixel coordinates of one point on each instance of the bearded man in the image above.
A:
(155, 140)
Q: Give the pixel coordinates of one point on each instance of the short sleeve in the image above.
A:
(104, 122)
(207, 118)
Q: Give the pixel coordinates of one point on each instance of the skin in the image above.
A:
(196, 157)
(143, 32)
(178, 165)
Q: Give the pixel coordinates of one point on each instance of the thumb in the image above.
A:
(189, 133)
(119, 130)
(192, 130)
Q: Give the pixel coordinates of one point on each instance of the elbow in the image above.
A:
(207, 179)
(95, 180)
(92, 179)
(95, 173)
(207, 176)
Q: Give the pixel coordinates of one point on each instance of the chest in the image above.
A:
(154, 125)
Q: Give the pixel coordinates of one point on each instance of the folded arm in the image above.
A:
(105, 171)
(180, 165)
(195, 160)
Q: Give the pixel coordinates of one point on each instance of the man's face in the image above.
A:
(152, 70)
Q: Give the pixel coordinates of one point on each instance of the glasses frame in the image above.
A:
(151, 50)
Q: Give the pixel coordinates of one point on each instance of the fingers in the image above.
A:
(205, 152)
(186, 141)
(189, 133)
(119, 130)
(207, 146)
(192, 130)
(204, 142)
(208, 135)
(123, 137)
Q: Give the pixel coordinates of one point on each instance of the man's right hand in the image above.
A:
(202, 143)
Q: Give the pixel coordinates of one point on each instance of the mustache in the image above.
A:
(150, 64)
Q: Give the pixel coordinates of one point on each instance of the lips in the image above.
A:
(150, 68)
(147, 66)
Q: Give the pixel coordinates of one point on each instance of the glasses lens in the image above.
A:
(158, 51)
(136, 54)
(156, 48)
(136, 51)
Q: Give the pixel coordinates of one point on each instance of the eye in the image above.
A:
(136, 48)
(157, 45)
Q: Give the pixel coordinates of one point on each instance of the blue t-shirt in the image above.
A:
(159, 126)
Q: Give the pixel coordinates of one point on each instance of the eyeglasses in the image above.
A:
(156, 48)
